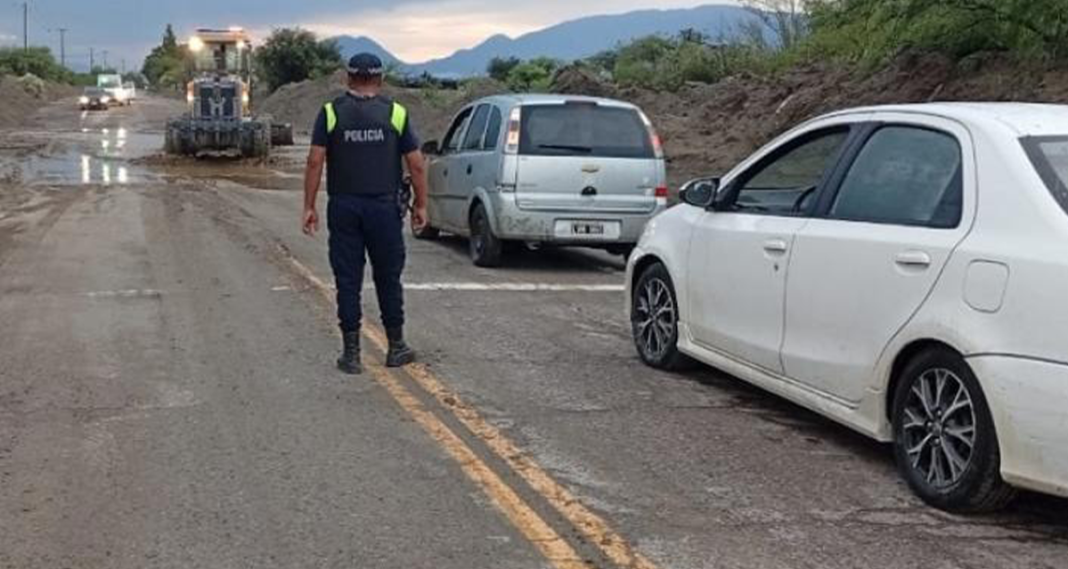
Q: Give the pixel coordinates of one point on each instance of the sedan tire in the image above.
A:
(655, 320)
(944, 438)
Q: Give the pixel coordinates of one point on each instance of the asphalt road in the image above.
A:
(168, 399)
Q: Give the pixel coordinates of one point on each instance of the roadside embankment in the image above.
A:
(431, 109)
(707, 128)
(23, 96)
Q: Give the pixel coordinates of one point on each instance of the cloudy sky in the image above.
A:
(415, 30)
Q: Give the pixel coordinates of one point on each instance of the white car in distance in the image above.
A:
(901, 270)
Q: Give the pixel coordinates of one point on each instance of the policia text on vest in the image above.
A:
(363, 141)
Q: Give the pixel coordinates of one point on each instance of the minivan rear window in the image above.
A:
(584, 129)
(1049, 154)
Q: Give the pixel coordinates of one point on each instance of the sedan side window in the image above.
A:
(456, 131)
(788, 183)
(493, 131)
(905, 176)
(473, 140)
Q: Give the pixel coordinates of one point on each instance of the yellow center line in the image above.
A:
(535, 529)
(519, 513)
(595, 529)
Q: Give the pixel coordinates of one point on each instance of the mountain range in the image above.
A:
(568, 41)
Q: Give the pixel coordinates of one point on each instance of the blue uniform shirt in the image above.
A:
(365, 147)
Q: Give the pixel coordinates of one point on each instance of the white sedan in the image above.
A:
(901, 270)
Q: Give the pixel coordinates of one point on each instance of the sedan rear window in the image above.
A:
(583, 129)
(1049, 154)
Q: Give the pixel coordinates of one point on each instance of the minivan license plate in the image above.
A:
(587, 228)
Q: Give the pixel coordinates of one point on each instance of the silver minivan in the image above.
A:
(546, 170)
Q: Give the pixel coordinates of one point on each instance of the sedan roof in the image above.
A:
(1025, 119)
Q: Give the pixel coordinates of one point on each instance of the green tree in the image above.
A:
(787, 20)
(37, 61)
(165, 66)
(500, 67)
(291, 55)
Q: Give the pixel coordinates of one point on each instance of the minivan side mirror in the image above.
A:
(700, 192)
(431, 148)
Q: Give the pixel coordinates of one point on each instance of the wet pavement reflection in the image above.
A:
(91, 156)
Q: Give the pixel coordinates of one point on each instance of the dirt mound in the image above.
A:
(22, 96)
(579, 80)
(430, 109)
(707, 129)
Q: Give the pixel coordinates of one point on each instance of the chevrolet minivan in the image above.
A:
(546, 170)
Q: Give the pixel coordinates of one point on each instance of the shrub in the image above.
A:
(873, 31)
(534, 75)
(36, 61)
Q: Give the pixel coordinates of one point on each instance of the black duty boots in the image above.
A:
(399, 354)
(349, 362)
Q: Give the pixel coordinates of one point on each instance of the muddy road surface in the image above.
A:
(168, 400)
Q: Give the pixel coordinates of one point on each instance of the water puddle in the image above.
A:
(75, 168)
(100, 156)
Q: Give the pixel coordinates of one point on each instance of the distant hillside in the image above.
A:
(352, 45)
(572, 40)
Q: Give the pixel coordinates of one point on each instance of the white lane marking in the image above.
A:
(130, 293)
(282, 289)
(513, 287)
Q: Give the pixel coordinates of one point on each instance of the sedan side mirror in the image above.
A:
(700, 192)
(431, 148)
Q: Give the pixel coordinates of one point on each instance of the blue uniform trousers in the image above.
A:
(362, 227)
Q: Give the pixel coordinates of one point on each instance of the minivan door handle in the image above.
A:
(913, 260)
(470, 169)
(776, 246)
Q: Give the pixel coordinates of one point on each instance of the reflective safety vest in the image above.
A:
(363, 145)
(398, 117)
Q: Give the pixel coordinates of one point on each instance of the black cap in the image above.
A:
(365, 65)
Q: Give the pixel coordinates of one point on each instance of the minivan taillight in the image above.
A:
(654, 138)
(511, 145)
(661, 192)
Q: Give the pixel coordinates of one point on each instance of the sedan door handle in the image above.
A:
(913, 260)
(776, 246)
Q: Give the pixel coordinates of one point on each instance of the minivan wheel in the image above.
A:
(944, 438)
(655, 320)
(485, 246)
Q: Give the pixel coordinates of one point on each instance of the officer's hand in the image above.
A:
(420, 218)
(311, 222)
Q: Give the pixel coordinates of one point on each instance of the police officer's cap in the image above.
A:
(366, 65)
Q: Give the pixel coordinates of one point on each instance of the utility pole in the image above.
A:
(124, 66)
(25, 26)
(92, 59)
(62, 46)
(105, 52)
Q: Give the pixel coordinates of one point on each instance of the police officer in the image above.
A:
(362, 137)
